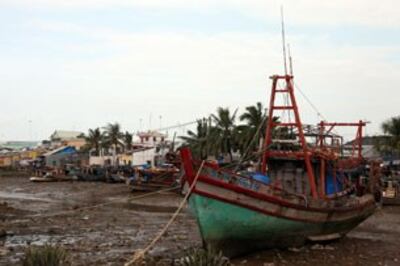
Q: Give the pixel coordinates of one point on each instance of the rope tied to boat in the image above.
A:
(139, 254)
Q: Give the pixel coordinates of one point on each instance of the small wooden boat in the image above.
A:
(42, 179)
(391, 192)
(153, 179)
(308, 191)
(52, 178)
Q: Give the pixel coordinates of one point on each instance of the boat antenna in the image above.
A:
(283, 40)
(290, 60)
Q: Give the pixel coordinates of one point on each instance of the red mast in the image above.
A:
(291, 106)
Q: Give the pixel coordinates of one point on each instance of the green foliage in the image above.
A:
(221, 135)
(113, 135)
(224, 131)
(45, 256)
(110, 137)
(390, 143)
(199, 141)
(201, 257)
(94, 140)
(249, 134)
(128, 139)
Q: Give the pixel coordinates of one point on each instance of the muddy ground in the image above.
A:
(59, 213)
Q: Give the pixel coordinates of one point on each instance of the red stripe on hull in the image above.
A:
(254, 208)
(277, 200)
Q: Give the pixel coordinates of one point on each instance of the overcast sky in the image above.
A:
(79, 64)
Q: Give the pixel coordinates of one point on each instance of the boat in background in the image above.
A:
(155, 178)
(309, 191)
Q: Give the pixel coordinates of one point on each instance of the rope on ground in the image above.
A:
(139, 254)
(101, 204)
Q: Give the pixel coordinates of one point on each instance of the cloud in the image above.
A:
(186, 75)
(183, 76)
(310, 12)
(338, 12)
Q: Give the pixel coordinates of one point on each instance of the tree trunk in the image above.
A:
(114, 154)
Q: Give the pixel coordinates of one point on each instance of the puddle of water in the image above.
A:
(22, 196)
(38, 240)
(148, 208)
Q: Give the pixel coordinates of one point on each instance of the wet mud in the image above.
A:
(62, 213)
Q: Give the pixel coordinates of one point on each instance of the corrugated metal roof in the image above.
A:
(18, 145)
(65, 134)
(57, 150)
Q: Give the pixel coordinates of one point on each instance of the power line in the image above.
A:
(177, 126)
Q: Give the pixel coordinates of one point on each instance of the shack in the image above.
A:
(61, 156)
(142, 156)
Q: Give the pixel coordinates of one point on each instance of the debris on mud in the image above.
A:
(54, 214)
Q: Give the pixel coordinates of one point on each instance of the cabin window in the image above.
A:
(154, 139)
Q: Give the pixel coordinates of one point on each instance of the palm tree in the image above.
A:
(254, 115)
(391, 128)
(113, 137)
(250, 136)
(128, 138)
(94, 140)
(254, 129)
(198, 141)
(224, 131)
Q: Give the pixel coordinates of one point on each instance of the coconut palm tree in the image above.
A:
(128, 138)
(251, 135)
(254, 115)
(391, 128)
(198, 141)
(113, 137)
(253, 131)
(94, 140)
(223, 132)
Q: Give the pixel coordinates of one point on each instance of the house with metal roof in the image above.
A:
(60, 135)
(67, 138)
(60, 156)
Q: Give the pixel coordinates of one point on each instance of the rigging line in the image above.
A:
(319, 114)
(177, 126)
(253, 139)
(309, 101)
(250, 156)
(283, 41)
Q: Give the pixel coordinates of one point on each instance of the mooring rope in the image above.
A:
(139, 254)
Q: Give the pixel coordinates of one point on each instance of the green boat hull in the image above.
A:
(236, 230)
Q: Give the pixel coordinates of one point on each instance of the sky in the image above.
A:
(80, 64)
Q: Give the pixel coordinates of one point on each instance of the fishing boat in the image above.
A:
(308, 190)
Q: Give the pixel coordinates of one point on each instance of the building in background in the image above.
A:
(151, 138)
(67, 138)
(144, 156)
(19, 145)
(147, 148)
(61, 156)
(12, 153)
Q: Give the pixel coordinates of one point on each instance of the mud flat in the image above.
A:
(60, 213)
